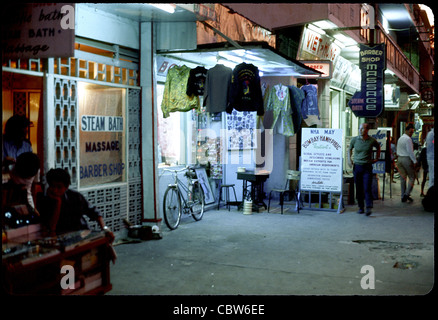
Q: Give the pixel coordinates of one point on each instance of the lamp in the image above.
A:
(170, 8)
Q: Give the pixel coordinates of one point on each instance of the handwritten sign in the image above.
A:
(38, 30)
(321, 160)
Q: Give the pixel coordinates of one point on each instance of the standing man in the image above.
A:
(363, 166)
(406, 162)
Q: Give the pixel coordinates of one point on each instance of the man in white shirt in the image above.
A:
(406, 162)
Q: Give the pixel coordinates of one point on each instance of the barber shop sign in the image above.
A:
(369, 101)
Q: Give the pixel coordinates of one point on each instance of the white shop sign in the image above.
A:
(321, 160)
(319, 45)
(38, 30)
(322, 66)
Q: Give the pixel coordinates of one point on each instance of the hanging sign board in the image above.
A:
(321, 160)
(322, 66)
(38, 30)
(369, 102)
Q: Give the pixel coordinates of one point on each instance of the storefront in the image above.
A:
(318, 49)
(220, 140)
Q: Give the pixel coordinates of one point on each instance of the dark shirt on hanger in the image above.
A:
(217, 87)
(245, 90)
(196, 81)
(297, 97)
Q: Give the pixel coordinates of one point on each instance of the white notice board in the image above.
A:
(321, 160)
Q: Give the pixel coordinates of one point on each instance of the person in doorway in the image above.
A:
(406, 163)
(15, 142)
(62, 209)
(362, 164)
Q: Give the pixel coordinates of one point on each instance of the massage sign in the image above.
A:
(369, 102)
(102, 137)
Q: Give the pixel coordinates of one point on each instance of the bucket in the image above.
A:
(247, 207)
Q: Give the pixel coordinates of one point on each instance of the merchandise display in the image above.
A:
(245, 90)
(217, 87)
(175, 88)
(277, 99)
(281, 107)
(309, 107)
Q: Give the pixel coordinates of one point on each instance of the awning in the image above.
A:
(267, 59)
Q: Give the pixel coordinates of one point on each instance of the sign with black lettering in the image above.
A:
(37, 30)
(369, 101)
(321, 160)
(101, 135)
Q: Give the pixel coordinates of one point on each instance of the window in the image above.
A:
(102, 141)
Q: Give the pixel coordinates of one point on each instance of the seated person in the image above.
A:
(17, 197)
(62, 209)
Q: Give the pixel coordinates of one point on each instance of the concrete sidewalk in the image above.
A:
(310, 253)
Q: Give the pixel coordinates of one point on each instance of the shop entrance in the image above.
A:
(22, 95)
(206, 137)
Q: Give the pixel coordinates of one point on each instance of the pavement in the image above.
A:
(390, 252)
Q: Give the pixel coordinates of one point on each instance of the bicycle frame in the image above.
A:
(183, 189)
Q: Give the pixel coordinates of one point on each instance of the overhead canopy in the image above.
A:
(264, 57)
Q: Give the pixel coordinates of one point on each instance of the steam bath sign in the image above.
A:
(321, 160)
(102, 135)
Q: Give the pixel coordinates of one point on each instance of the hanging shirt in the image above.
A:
(309, 107)
(196, 81)
(296, 100)
(246, 91)
(217, 87)
(175, 87)
(278, 100)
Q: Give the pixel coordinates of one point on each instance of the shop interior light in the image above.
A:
(225, 62)
(325, 24)
(253, 57)
(314, 28)
(164, 6)
(230, 57)
(339, 43)
(346, 41)
(353, 47)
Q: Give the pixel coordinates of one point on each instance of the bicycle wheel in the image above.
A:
(172, 208)
(197, 207)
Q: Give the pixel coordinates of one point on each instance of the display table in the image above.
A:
(33, 263)
(257, 179)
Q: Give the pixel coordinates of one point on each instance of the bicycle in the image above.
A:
(181, 198)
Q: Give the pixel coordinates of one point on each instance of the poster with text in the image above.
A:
(321, 160)
(101, 135)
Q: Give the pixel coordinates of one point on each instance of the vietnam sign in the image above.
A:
(369, 101)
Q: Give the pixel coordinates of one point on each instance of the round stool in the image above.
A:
(227, 195)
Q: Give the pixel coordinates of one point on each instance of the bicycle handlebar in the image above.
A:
(178, 170)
